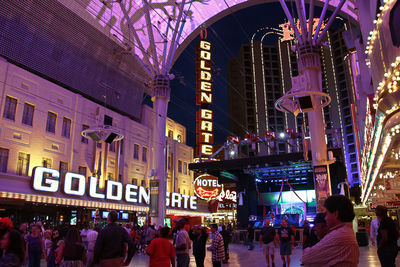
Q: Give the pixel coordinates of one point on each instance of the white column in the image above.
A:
(161, 92)
(309, 65)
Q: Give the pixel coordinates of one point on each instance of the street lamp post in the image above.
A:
(306, 94)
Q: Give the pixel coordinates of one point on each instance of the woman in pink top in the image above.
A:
(161, 250)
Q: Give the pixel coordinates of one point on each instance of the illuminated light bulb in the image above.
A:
(393, 64)
(381, 8)
(386, 74)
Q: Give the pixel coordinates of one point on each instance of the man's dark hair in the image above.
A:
(214, 225)
(164, 232)
(341, 204)
(113, 216)
(381, 211)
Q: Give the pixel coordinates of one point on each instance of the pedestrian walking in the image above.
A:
(109, 250)
(374, 230)
(338, 247)
(268, 241)
(318, 232)
(12, 245)
(91, 238)
(227, 239)
(161, 250)
(387, 238)
(72, 249)
(250, 236)
(149, 234)
(306, 233)
(217, 247)
(84, 233)
(34, 247)
(48, 244)
(286, 242)
(199, 237)
(182, 244)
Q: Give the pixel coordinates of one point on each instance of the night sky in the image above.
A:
(226, 37)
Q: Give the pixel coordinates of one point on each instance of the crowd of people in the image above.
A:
(331, 242)
(110, 246)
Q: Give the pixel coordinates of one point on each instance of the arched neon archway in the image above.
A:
(108, 17)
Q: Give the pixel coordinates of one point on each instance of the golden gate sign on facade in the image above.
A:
(204, 97)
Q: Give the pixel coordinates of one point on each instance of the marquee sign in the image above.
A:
(206, 187)
(114, 190)
(204, 97)
(288, 32)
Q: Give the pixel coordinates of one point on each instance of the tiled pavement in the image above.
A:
(240, 256)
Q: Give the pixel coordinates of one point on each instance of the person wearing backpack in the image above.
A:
(267, 241)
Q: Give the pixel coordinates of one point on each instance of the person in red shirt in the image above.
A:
(161, 250)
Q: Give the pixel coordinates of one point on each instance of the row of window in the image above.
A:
(9, 112)
(24, 163)
(10, 109)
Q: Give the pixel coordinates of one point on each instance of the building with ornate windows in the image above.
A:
(261, 74)
(61, 74)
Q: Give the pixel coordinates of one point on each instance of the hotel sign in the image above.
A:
(48, 180)
(207, 187)
(204, 98)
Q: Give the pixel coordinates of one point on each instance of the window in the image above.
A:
(170, 134)
(9, 108)
(27, 116)
(112, 147)
(98, 145)
(179, 166)
(82, 170)
(110, 176)
(143, 183)
(51, 122)
(179, 138)
(66, 128)
(136, 151)
(134, 181)
(144, 154)
(3, 159)
(84, 139)
(185, 167)
(63, 168)
(170, 161)
(23, 163)
(47, 163)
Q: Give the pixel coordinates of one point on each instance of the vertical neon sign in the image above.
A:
(204, 97)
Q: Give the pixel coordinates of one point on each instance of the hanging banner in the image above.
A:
(154, 184)
(322, 185)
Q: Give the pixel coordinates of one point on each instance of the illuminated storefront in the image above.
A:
(381, 160)
(57, 149)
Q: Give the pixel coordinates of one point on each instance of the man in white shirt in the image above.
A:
(84, 233)
(374, 230)
(182, 244)
(339, 247)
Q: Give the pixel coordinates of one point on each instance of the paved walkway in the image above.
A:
(240, 256)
